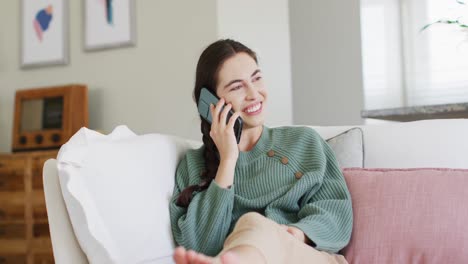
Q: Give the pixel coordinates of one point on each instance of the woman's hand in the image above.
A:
(296, 232)
(225, 140)
(222, 133)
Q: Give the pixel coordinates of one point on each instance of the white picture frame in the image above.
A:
(109, 24)
(44, 30)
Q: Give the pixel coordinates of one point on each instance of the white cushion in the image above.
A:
(441, 143)
(420, 144)
(116, 189)
(348, 148)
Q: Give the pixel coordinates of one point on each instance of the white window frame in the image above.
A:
(410, 85)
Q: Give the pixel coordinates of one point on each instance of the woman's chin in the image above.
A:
(252, 123)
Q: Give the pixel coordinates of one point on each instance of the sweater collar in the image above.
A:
(263, 145)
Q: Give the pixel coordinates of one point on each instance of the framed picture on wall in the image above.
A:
(44, 25)
(109, 24)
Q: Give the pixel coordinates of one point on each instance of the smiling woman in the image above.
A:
(276, 197)
(241, 85)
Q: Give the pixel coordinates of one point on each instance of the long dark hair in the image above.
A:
(209, 64)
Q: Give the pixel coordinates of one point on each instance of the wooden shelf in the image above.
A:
(405, 114)
(25, 236)
(13, 246)
(41, 245)
(12, 222)
(41, 221)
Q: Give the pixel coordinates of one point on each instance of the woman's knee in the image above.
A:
(251, 229)
(251, 219)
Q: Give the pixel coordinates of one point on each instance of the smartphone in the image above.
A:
(207, 98)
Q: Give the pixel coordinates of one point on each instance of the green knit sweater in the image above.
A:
(291, 176)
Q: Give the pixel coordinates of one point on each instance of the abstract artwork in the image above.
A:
(109, 23)
(44, 26)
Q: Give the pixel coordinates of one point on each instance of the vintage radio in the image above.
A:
(45, 118)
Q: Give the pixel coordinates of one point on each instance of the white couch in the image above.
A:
(429, 143)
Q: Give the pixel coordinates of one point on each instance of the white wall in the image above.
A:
(147, 87)
(263, 25)
(326, 62)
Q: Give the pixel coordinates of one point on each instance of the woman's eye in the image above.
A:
(236, 88)
(257, 78)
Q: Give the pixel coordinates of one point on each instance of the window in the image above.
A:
(404, 66)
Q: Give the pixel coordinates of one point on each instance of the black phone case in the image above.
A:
(207, 98)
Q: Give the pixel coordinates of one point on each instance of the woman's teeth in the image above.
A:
(254, 108)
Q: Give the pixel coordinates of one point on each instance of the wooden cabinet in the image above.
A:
(24, 229)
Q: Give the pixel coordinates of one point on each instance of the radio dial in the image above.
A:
(23, 140)
(39, 139)
(55, 138)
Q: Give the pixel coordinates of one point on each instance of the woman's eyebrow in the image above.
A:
(231, 82)
(255, 72)
(239, 80)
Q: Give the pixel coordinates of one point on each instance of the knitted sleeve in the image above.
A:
(204, 225)
(326, 215)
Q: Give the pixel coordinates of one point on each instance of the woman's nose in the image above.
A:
(252, 92)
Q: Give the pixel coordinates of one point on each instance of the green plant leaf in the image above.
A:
(457, 21)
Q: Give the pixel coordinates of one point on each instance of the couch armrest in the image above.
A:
(65, 246)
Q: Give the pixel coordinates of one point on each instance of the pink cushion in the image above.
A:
(408, 215)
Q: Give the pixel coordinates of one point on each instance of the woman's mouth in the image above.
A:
(254, 109)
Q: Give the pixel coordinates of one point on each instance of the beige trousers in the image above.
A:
(274, 243)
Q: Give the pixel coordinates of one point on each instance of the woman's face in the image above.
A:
(240, 83)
